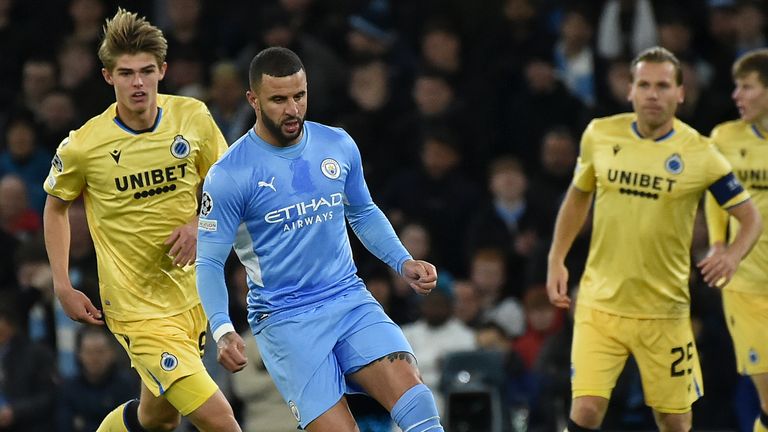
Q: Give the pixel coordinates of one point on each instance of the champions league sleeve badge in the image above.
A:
(180, 147)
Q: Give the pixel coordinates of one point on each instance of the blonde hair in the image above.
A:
(127, 33)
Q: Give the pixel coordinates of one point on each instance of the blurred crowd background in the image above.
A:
(468, 116)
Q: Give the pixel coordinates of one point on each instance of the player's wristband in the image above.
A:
(222, 330)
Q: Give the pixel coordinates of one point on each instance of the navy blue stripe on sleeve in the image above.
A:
(725, 188)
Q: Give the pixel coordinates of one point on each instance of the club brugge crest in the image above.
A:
(168, 361)
(674, 164)
(180, 147)
(295, 410)
(330, 168)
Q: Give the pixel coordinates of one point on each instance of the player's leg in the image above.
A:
(375, 356)
(673, 422)
(149, 413)
(598, 355)
(198, 397)
(394, 382)
(761, 383)
(669, 368)
(338, 418)
(745, 312)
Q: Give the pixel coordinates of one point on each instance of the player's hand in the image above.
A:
(557, 285)
(719, 266)
(231, 352)
(183, 242)
(78, 306)
(420, 275)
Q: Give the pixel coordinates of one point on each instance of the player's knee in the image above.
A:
(675, 422)
(587, 412)
(159, 421)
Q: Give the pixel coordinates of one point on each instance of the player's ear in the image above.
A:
(253, 101)
(107, 76)
(163, 68)
(681, 94)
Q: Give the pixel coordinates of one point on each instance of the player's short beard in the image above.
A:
(277, 132)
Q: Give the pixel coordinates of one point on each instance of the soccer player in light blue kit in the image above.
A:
(280, 194)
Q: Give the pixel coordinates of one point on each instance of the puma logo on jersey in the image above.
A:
(115, 155)
(270, 185)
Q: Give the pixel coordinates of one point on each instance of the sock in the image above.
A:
(124, 418)
(761, 423)
(416, 411)
(573, 427)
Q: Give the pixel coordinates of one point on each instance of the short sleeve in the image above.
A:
(584, 173)
(66, 178)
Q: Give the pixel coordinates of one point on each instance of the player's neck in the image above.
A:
(762, 125)
(653, 133)
(138, 121)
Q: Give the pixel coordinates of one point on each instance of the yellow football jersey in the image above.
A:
(746, 148)
(139, 186)
(646, 196)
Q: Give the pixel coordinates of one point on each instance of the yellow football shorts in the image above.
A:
(664, 350)
(747, 318)
(164, 350)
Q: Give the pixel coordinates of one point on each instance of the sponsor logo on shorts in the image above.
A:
(210, 225)
(168, 362)
(295, 410)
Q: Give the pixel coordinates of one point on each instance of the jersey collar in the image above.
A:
(757, 132)
(661, 138)
(125, 127)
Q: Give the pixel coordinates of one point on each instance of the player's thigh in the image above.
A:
(745, 313)
(375, 356)
(215, 414)
(155, 411)
(761, 384)
(598, 353)
(337, 419)
(163, 350)
(666, 355)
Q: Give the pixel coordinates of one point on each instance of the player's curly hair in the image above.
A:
(127, 33)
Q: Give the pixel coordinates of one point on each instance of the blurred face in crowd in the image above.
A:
(558, 154)
(57, 110)
(13, 195)
(508, 184)
(432, 95)
(38, 78)
(20, 140)
(751, 98)
(438, 157)
(97, 354)
(135, 78)
(369, 86)
(280, 104)
(655, 94)
(415, 238)
(442, 49)
(467, 304)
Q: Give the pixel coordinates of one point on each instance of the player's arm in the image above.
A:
(76, 305)
(570, 219)
(717, 223)
(375, 231)
(220, 216)
(718, 267)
